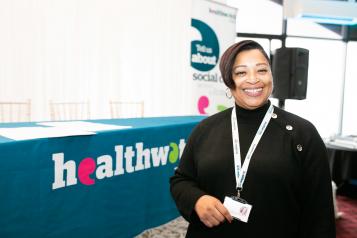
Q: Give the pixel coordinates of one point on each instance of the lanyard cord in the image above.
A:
(241, 171)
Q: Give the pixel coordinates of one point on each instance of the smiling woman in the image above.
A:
(248, 75)
(279, 158)
(252, 79)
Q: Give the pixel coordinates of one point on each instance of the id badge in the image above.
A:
(238, 208)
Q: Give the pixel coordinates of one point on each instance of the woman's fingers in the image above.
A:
(211, 211)
(225, 213)
(210, 221)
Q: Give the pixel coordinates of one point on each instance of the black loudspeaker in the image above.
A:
(290, 67)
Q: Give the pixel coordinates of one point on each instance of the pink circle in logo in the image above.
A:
(202, 104)
(86, 168)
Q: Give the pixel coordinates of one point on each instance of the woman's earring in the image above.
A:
(228, 93)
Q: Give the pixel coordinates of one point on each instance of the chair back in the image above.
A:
(15, 111)
(126, 109)
(69, 111)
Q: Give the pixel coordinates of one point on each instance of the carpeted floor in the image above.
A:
(173, 229)
(346, 225)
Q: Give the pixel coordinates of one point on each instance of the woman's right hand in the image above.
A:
(211, 211)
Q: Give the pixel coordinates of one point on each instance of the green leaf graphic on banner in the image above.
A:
(173, 156)
(221, 108)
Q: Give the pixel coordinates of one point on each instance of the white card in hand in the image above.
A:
(237, 209)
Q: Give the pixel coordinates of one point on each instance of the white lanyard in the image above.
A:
(241, 171)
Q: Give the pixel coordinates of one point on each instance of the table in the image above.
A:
(343, 163)
(111, 184)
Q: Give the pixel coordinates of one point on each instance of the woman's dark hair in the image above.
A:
(229, 56)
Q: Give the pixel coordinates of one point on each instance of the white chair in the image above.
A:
(69, 111)
(126, 109)
(19, 111)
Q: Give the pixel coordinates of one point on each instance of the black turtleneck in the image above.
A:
(287, 183)
(248, 124)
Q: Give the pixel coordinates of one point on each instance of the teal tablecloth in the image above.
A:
(111, 184)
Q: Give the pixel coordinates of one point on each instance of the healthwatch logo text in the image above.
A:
(128, 159)
(205, 51)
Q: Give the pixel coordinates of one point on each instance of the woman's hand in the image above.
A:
(211, 211)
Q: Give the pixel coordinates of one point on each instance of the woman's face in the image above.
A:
(253, 79)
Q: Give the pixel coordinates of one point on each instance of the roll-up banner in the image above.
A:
(213, 31)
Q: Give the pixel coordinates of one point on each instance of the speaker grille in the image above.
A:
(290, 73)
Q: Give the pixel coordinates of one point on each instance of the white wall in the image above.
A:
(350, 100)
(325, 82)
(97, 50)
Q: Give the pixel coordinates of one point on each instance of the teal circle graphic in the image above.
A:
(205, 52)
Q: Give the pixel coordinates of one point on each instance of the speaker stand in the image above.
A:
(281, 103)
